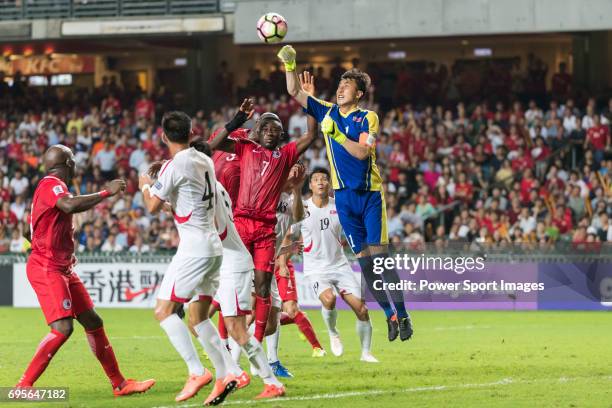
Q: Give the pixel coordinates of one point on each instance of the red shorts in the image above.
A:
(260, 239)
(286, 286)
(60, 294)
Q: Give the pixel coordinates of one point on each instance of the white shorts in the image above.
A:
(343, 280)
(234, 294)
(275, 299)
(188, 277)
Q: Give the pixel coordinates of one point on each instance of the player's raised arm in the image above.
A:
(77, 204)
(307, 138)
(297, 210)
(221, 142)
(287, 55)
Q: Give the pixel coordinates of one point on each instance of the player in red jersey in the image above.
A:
(61, 294)
(227, 170)
(264, 168)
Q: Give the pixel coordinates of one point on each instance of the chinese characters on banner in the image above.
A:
(126, 284)
(114, 285)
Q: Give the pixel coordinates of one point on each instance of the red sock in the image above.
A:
(222, 329)
(285, 319)
(101, 347)
(42, 357)
(262, 311)
(306, 328)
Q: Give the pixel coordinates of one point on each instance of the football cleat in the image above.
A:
(318, 352)
(392, 328)
(130, 387)
(221, 389)
(193, 385)
(336, 345)
(279, 370)
(271, 391)
(405, 329)
(243, 380)
(367, 357)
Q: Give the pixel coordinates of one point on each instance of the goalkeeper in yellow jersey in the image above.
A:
(350, 135)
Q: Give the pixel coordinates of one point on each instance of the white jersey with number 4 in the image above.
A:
(187, 182)
(322, 236)
(236, 257)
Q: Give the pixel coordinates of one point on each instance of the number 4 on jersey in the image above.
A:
(209, 194)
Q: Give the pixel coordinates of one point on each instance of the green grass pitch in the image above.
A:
(462, 359)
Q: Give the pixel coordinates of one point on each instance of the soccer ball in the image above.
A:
(272, 28)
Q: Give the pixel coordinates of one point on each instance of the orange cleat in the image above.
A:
(130, 387)
(243, 380)
(193, 385)
(221, 390)
(271, 391)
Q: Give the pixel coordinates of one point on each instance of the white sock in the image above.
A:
(272, 345)
(364, 330)
(257, 357)
(180, 337)
(329, 317)
(208, 336)
(235, 350)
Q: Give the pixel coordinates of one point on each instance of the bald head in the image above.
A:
(57, 158)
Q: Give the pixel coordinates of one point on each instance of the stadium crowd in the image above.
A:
(456, 167)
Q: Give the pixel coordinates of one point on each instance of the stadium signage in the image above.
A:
(148, 26)
(42, 65)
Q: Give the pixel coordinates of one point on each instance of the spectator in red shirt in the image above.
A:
(7, 217)
(144, 108)
(527, 184)
(521, 160)
(397, 161)
(111, 101)
(598, 139)
(464, 190)
(563, 219)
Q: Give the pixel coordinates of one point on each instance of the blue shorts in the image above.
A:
(363, 215)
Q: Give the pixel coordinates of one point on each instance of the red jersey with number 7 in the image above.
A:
(51, 228)
(263, 174)
(227, 165)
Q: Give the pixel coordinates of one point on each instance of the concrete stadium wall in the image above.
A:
(325, 20)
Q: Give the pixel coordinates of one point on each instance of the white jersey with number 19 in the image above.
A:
(188, 182)
(322, 235)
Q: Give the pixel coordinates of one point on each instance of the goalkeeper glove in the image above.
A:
(327, 127)
(287, 55)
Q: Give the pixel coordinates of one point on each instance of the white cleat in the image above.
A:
(367, 357)
(336, 345)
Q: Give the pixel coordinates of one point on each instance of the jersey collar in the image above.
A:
(355, 109)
